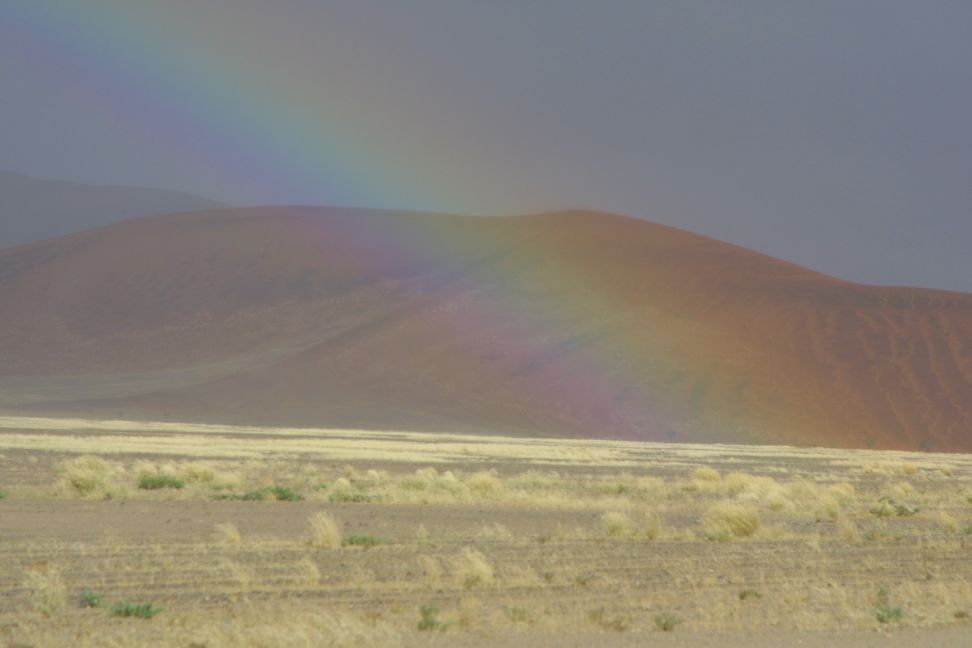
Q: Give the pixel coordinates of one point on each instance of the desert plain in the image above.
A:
(460, 324)
(175, 534)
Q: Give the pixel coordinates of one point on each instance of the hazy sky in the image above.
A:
(836, 134)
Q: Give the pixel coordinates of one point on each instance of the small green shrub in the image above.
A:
(967, 529)
(884, 613)
(617, 623)
(748, 594)
(365, 541)
(89, 599)
(156, 482)
(666, 622)
(279, 493)
(137, 610)
(3, 493)
(887, 507)
(245, 497)
(887, 614)
(882, 510)
(430, 618)
(614, 489)
(285, 494)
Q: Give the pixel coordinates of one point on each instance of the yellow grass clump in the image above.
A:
(341, 490)
(728, 519)
(616, 524)
(706, 474)
(948, 522)
(308, 571)
(471, 568)
(652, 525)
(430, 567)
(650, 486)
(847, 530)
(46, 590)
(227, 535)
(325, 532)
(900, 489)
(198, 472)
(484, 482)
(376, 477)
(86, 476)
(645, 524)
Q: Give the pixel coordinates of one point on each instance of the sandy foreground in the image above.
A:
(234, 536)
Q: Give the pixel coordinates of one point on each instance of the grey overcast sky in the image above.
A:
(835, 134)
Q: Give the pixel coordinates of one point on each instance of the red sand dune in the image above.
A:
(576, 323)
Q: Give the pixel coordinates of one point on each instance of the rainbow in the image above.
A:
(647, 379)
(197, 80)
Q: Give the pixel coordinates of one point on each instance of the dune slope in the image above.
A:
(574, 323)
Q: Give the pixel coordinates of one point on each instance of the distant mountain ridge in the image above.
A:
(577, 324)
(33, 209)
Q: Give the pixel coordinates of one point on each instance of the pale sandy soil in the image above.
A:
(515, 543)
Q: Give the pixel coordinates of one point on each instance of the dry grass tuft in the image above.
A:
(616, 524)
(739, 482)
(471, 568)
(646, 524)
(227, 535)
(242, 575)
(485, 482)
(706, 474)
(430, 567)
(948, 522)
(847, 530)
(652, 525)
(726, 520)
(494, 531)
(85, 476)
(197, 472)
(906, 468)
(648, 486)
(325, 532)
(46, 590)
(308, 572)
(342, 490)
